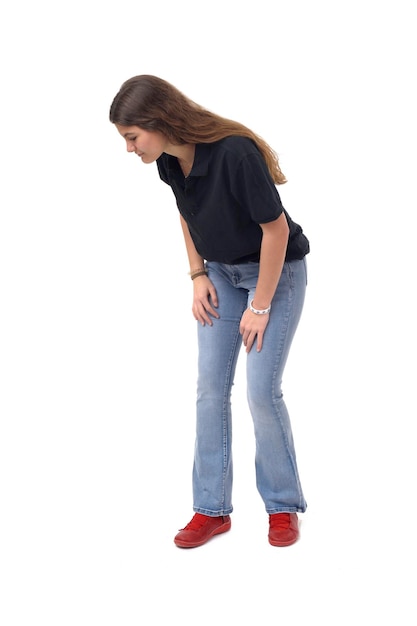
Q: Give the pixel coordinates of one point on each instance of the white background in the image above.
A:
(98, 342)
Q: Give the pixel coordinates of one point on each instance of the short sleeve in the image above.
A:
(254, 189)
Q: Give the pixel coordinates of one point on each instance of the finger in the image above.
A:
(249, 343)
(212, 311)
(259, 342)
(200, 319)
(203, 317)
(213, 296)
(248, 339)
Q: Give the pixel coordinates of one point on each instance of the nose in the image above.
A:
(129, 146)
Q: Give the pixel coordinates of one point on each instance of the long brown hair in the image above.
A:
(155, 105)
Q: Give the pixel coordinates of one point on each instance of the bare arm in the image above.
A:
(205, 296)
(273, 250)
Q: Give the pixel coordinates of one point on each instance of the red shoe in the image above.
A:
(201, 529)
(283, 529)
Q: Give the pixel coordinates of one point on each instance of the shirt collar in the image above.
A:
(201, 160)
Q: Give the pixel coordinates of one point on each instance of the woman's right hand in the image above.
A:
(204, 301)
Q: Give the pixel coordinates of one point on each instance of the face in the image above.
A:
(148, 145)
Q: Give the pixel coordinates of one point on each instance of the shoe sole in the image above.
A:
(221, 529)
(282, 544)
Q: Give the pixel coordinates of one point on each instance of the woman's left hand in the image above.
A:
(253, 327)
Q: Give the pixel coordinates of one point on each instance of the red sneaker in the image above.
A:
(201, 529)
(283, 529)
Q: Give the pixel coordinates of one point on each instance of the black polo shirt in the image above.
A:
(227, 194)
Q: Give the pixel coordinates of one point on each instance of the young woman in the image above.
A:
(248, 270)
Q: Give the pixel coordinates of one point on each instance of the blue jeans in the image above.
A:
(277, 476)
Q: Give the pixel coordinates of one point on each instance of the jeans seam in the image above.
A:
(227, 437)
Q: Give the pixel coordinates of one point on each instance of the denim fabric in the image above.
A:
(277, 476)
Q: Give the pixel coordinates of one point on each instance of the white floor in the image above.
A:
(92, 509)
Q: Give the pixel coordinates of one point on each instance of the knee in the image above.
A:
(263, 396)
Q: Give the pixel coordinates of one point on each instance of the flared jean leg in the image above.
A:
(218, 350)
(277, 474)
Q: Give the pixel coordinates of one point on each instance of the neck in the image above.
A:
(185, 155)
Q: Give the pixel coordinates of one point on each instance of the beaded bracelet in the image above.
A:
(200, 273)
(259, 311)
